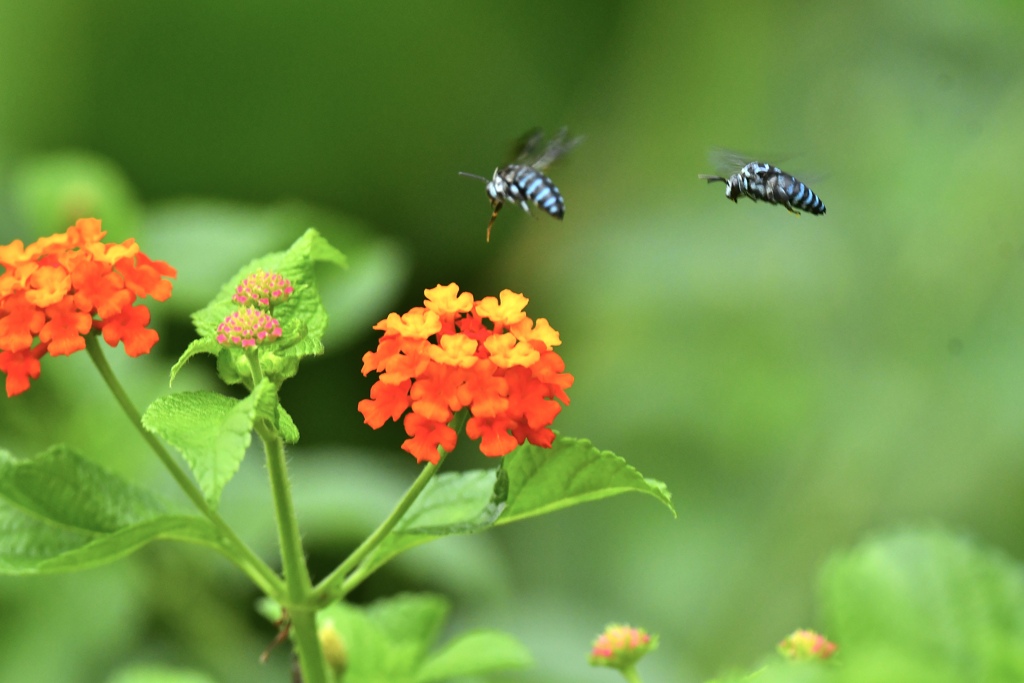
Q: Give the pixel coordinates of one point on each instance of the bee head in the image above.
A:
(497, 187)
(732, 188)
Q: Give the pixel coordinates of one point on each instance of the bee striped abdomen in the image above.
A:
(802, 197)
(519, 183)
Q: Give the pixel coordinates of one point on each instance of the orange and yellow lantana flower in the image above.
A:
(62, 287)
(454, 353)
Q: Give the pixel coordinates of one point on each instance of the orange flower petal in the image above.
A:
(47, 285)
(144, 277)
(19, 366)
(12, 254)
(418, 323)
(435, 395)
(493, 434)
(506, 351)
(411, 363)
(425, 436)
(508, 311)
(445, 300)
(386, 401)
(526, 330)
(98, 288)
(63, 332)
(20, 321)
(455, 349)
(130, 328)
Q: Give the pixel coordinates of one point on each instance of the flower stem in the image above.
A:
(300, 603)
(252, 355)
(630, 674)
(340, 582)
(234, 547)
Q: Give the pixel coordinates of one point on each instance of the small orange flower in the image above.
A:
(62, 287)
(455, 353)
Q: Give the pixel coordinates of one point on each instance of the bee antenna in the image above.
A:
(473, 175)
(712, 178)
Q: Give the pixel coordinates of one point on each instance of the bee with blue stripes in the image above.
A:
(523, 182)
(761, 181)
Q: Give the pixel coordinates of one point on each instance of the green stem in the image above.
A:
(339, 583)
(631, 675)
(300, 604)
(253, 356)
(235, 548)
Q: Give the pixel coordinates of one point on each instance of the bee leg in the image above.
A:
(791, 210)
(497, 208)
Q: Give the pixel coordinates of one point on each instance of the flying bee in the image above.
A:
(761, 181)
(523, 181)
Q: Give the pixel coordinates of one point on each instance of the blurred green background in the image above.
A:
(797, 382)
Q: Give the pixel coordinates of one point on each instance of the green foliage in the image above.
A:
(212, 431)
(391, 641)
(51, 192)
(934, 606)
(158, 674)
(915, 607)
(530, 481)
(61, 512)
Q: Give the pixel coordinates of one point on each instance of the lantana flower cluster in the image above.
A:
(454, 353)
(252, 324)
(60, 288)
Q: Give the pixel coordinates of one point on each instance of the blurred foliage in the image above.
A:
(797, 382)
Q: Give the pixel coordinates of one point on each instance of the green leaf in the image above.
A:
(202, 345)
(158, 674)
(286, 426)
(390, 641)
(211, 431)
(61, 512)
(927, 602)
(572, 471)
(387, 640)
(452, 503)
(52, 191)
(63, 487)
(475, 653)
(531, 481)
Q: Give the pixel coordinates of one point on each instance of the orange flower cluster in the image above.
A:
(456, 353)
(51, 290)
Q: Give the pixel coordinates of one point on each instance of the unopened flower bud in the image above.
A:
(802, 645)
(334, 647)
(621, 646)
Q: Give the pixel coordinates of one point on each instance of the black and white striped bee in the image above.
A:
(523, 181)
(761, 181)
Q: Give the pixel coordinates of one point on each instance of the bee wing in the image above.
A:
(557, 147)
(727, 161)
(527, 144)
